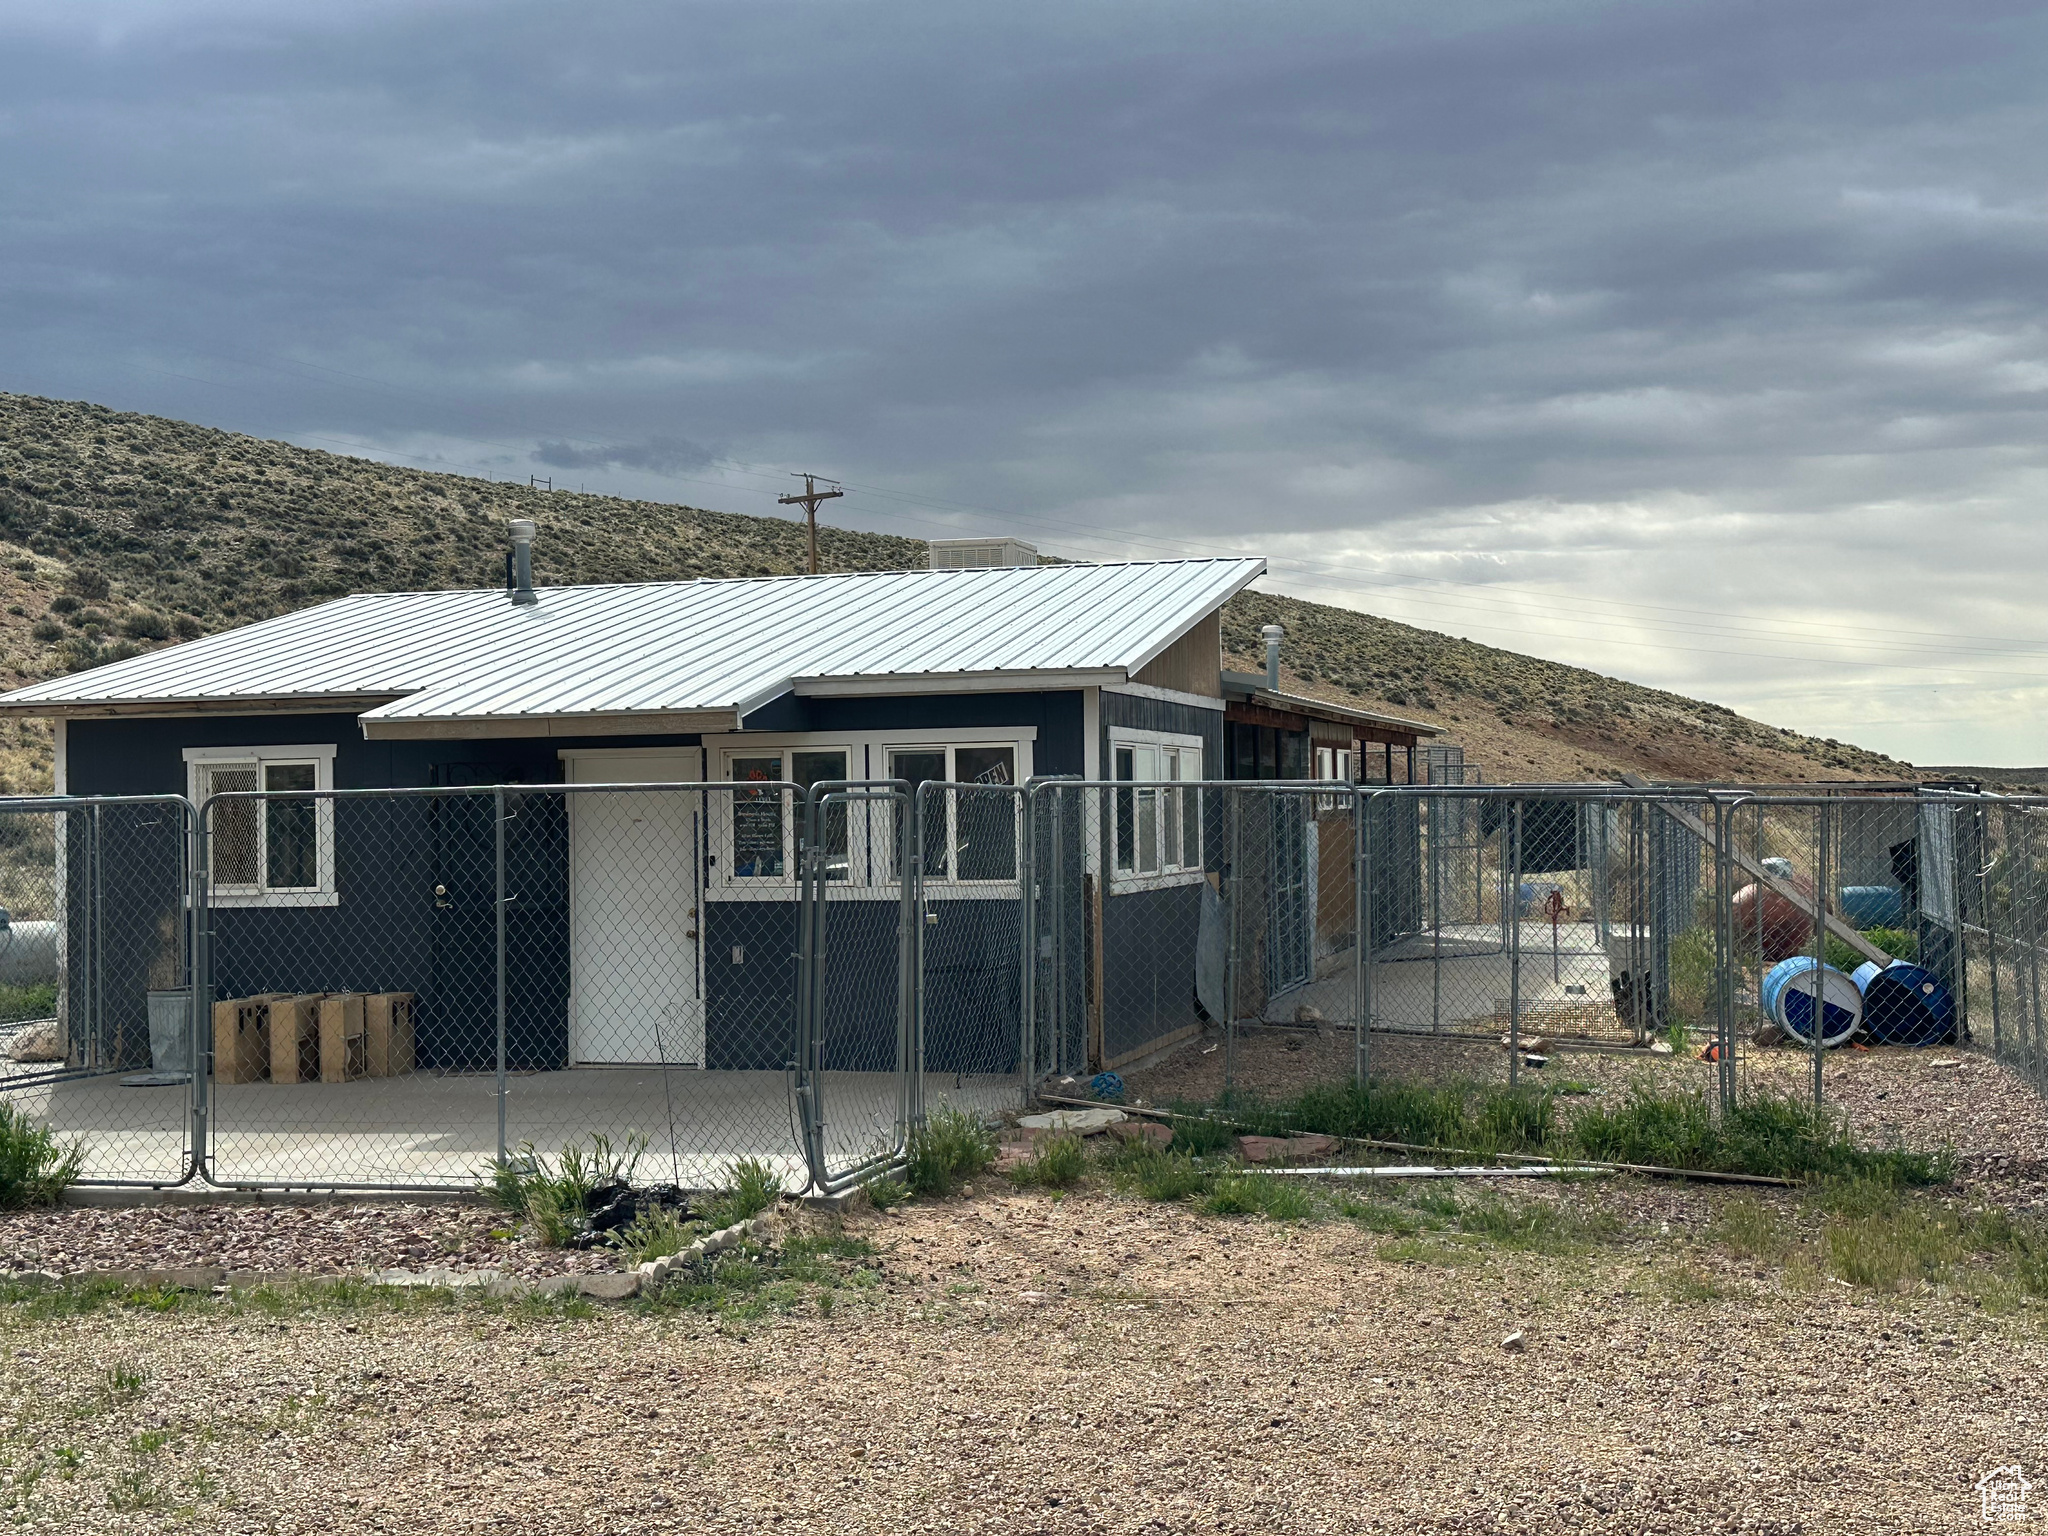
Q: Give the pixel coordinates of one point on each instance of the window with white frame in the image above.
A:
(276, 848)
(970, 833)
(1158, 827)
(763, 823)
(1340, 764)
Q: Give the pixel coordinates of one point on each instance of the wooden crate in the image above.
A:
(387, 1032)
(241, 1039)
(295, 1038)
(344, 1050)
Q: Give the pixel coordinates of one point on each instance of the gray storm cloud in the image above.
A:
(1700, 343)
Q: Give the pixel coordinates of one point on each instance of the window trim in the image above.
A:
(320, 755)
(1163, 878)
(951, 881)
(869, 871)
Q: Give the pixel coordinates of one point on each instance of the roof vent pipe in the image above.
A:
(1273, 633)
(519, 568)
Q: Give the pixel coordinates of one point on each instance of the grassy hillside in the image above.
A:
(121, 532)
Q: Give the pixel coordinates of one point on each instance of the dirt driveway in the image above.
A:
(1015, 1363)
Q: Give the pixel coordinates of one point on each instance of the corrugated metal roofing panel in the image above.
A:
(670, 647)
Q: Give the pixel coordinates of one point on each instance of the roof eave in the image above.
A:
(255, 704)
(685, 722)
(1016, 681)
(1301, 704)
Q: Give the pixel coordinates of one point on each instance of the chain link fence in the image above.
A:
(395, 989)
(95, 980)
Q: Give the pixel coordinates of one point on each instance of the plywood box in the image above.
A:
(387, 1033)
(344, 1052)
(295, 1038)
(241, 1040)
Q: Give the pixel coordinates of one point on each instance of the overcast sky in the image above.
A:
(1702, 344)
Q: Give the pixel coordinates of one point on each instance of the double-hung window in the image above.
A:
(275, 848)
(1158, 826)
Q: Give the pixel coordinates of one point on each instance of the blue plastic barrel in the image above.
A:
(1906, 1004)
(1874, 906)
(1864, 973)
(1841, 1005)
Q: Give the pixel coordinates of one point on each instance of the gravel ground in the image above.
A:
(1083, 1365)
(339, 1237)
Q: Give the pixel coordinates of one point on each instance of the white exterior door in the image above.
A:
(637, 986)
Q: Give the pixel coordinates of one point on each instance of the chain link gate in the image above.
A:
(858, 934)
(96, 997)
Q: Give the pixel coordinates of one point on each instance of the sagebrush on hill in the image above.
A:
(121, 532)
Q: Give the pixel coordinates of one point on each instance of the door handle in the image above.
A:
(441, 897)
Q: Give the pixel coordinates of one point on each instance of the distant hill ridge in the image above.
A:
(120, 532)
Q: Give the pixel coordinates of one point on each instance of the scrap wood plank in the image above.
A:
(1769, 881)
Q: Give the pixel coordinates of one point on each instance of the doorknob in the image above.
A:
(441, 896)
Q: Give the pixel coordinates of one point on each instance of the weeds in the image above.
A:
(1778, 1135)
(949, 1147)
(655, 1233)
(1240, 1193)
(886, 1194)
(38, 1000)
(755, 1188)
(1165, 1175)
(35, 1168)
(122, 1382)
(553, 1199)
(1058, 1163)
(749, 1282)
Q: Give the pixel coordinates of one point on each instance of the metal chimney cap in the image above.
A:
(1273, 632)
(522, 530)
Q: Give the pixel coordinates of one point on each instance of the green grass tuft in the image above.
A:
(754, 1189)
(1057, 1163)
(35, 1167)
(951, 1146)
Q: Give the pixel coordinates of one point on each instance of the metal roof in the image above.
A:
(695, 654)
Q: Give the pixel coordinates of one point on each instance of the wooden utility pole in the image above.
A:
(809, 498)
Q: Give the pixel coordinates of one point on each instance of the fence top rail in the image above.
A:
(80, 802)
(487, 791)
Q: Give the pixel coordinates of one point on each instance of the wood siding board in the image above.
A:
(1192, 664)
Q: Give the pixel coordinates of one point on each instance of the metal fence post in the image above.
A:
(1818, 1021)
(1724, 957)
(910, 961)
(1231, 958)
(498, 838)
(1361, 984)
(199, 977)
(1027, 940)
(1514, 895)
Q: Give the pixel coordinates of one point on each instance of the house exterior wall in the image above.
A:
(416, 884)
